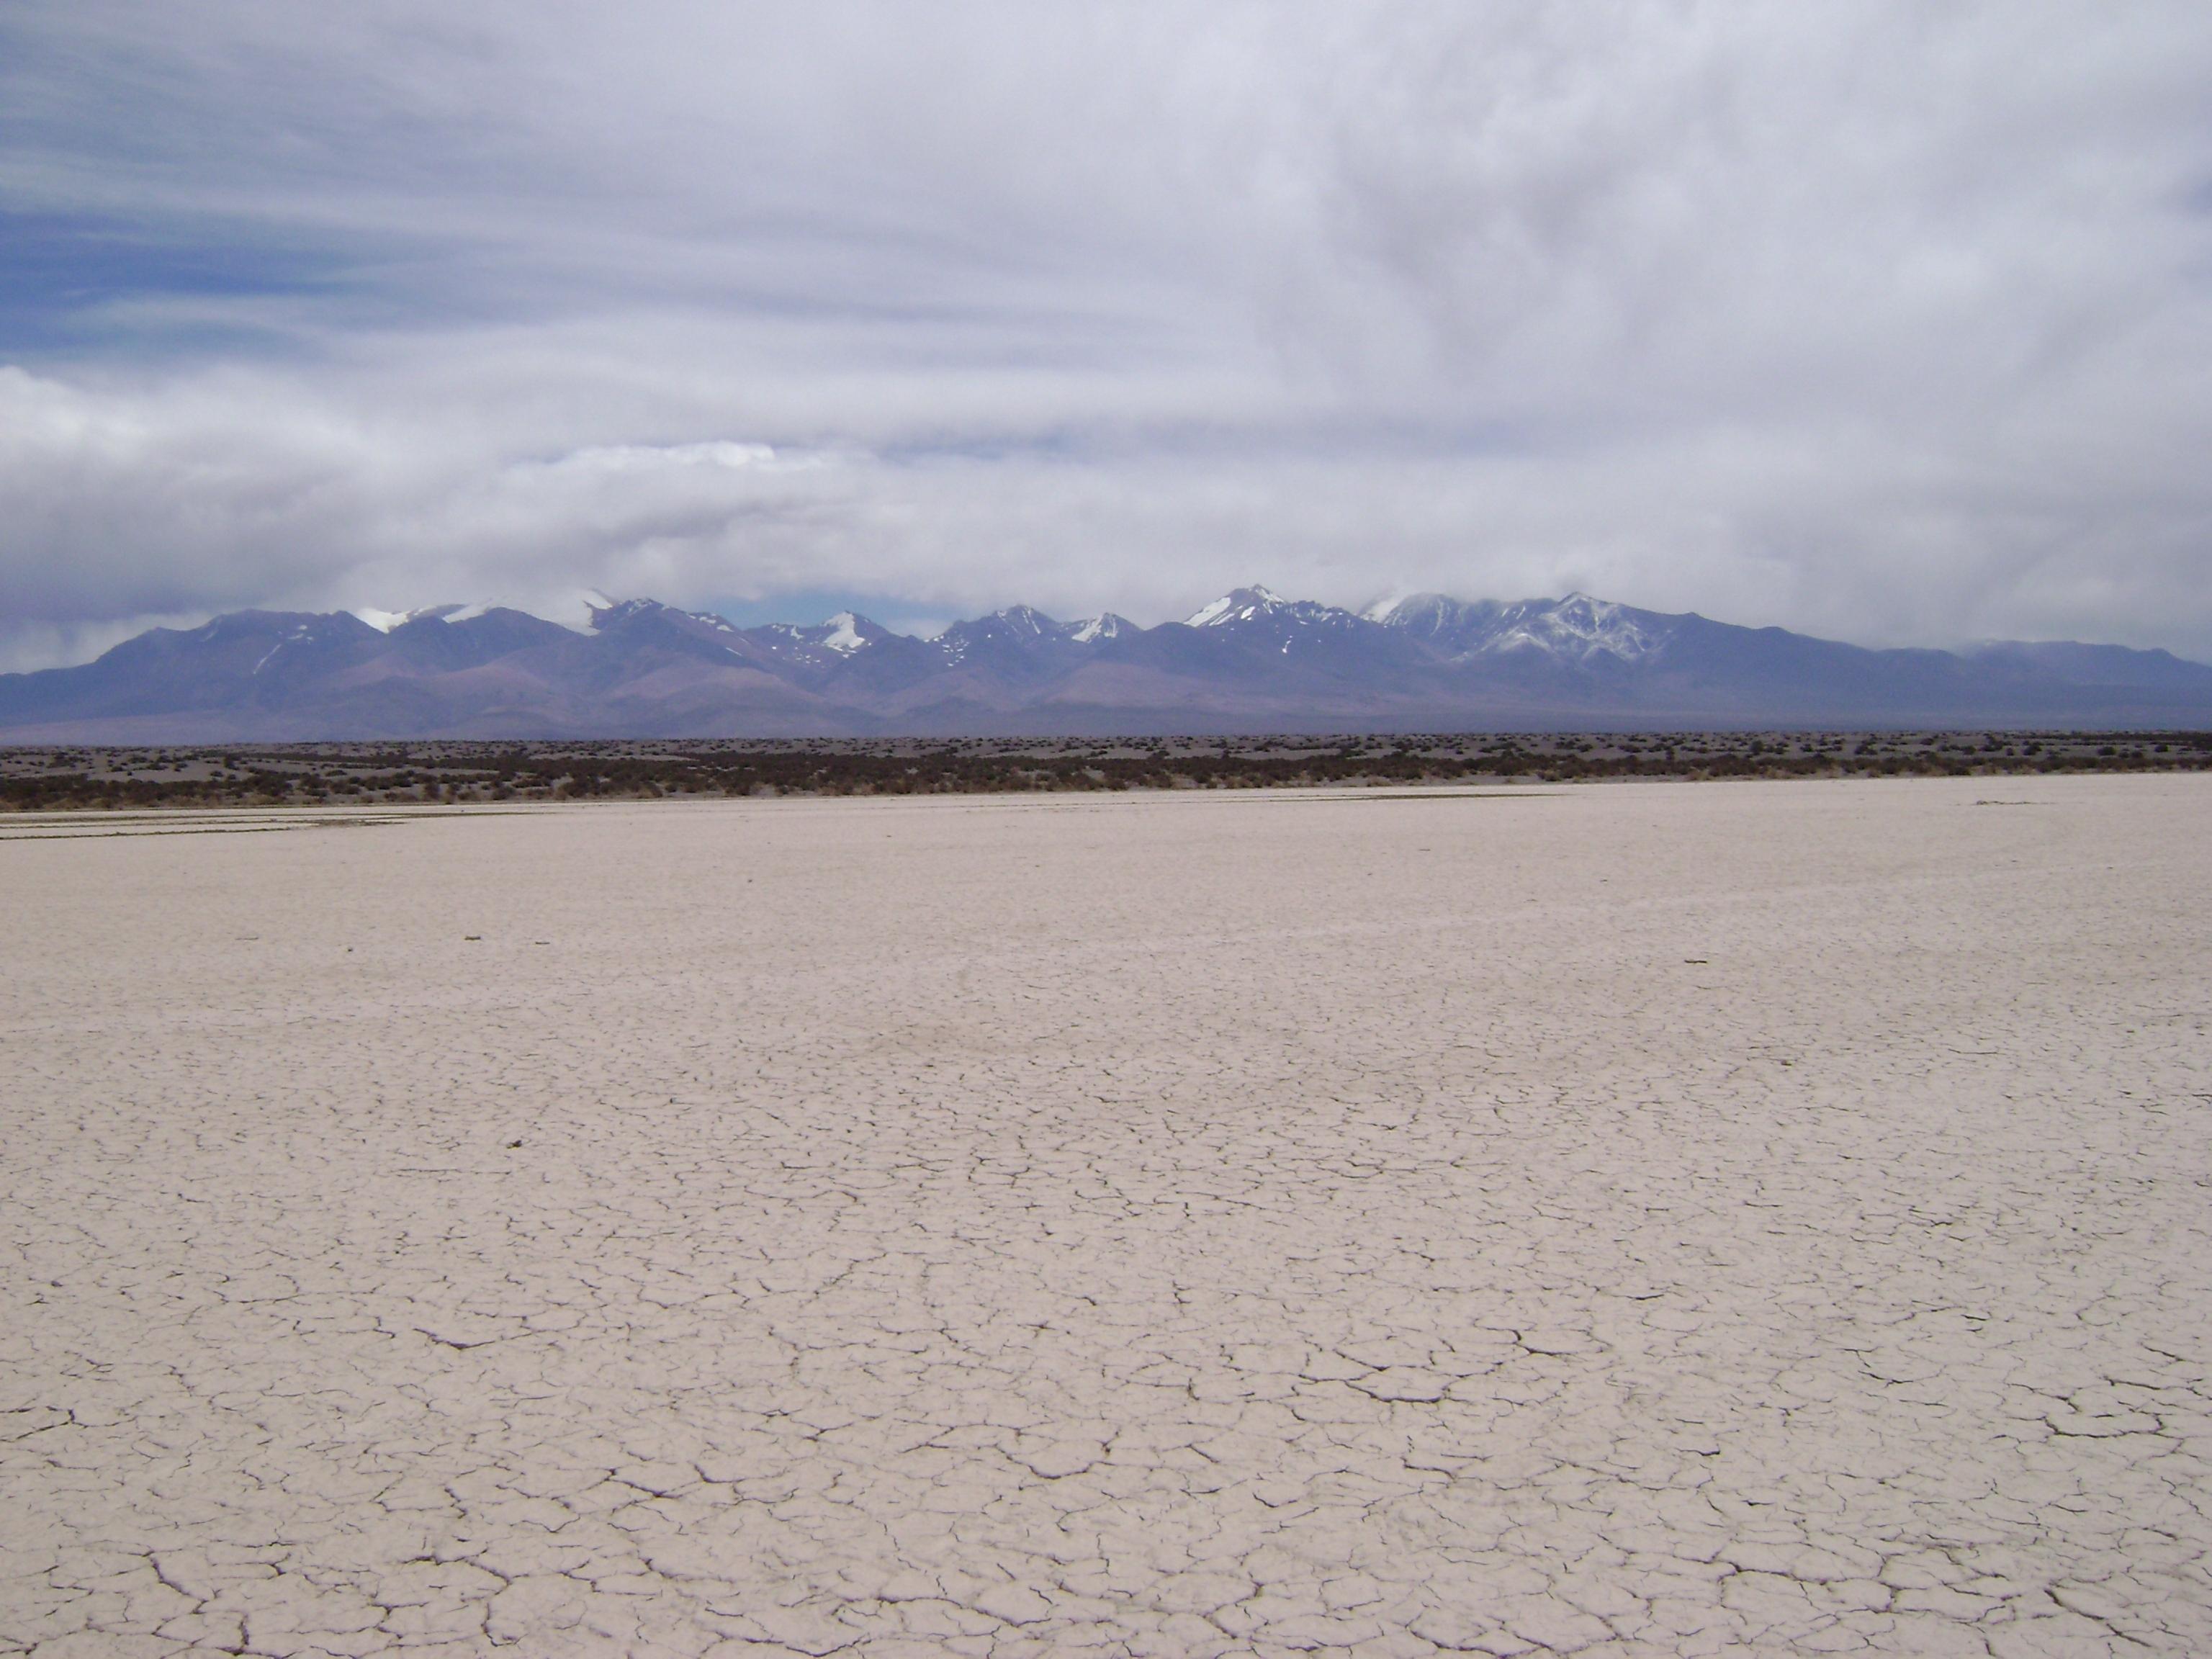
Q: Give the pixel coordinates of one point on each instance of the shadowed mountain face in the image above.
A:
(1251, 661)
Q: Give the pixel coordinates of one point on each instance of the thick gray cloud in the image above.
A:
(1892, 322)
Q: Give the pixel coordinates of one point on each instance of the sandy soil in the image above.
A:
(1631, 1219)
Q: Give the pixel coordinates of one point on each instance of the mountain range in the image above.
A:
(1250, 661)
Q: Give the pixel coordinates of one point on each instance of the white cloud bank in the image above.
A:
(1886, 321)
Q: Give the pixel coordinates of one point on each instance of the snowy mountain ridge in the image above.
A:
(1577, 627)
(1250, 660)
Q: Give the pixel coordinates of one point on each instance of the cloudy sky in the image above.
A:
(1892, 322)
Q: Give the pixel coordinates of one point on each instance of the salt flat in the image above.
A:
(1636, 1220)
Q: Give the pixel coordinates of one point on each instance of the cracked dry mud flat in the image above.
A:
(1664, 1219)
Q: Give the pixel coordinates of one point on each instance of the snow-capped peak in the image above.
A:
(1580, 626)
(385, 621)
(1104, 626)
(1383, 609)
(1023, 619)
(1575, 628)
(844, 635)
(1240, 605)
(605, 611)
(595, 605)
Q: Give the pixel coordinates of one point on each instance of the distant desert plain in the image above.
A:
(1765, 1216)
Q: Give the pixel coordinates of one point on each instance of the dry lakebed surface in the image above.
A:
(1645, 1219)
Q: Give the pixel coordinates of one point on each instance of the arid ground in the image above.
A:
(455, 772)
(1642, 1218)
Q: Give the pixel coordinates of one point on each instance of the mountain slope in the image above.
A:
(1252, 661)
